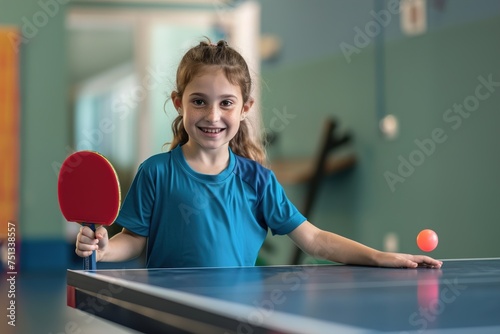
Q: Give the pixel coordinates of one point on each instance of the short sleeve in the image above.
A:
(137, 208)
(280, 215)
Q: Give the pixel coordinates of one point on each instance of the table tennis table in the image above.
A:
(461, 297)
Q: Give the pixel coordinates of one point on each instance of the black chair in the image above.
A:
(330, 141)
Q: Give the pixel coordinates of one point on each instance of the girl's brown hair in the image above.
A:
(236, 71)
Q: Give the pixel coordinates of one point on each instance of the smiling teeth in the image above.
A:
(212, 130)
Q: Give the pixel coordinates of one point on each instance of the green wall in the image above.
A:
(44, 122)
(454, 189)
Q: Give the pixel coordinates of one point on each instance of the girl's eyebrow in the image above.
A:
(229, 96)
(197, 94)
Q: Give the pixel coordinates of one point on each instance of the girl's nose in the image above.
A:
(213, 114)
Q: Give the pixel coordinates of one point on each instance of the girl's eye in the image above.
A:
(226, 103)
(198, 102)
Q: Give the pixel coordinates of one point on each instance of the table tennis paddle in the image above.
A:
(89, 193)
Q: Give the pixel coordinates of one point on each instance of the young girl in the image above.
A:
(209, 202)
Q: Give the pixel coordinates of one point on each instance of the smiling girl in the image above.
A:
(209, 202)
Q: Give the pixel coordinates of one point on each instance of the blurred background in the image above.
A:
(415, 84)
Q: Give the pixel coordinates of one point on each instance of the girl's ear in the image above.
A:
(176, 100)
(247, 106)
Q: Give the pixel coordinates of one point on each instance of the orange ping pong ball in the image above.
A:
(427, 240)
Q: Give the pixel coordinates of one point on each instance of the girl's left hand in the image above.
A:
(399, 260)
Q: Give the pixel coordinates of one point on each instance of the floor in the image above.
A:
(40, 306)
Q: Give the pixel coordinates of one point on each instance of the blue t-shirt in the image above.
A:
(199, 220)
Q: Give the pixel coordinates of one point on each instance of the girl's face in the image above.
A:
(212, 109)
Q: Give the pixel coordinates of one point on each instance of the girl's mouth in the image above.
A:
(212, 130)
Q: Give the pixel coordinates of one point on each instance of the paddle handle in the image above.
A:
(89, 263)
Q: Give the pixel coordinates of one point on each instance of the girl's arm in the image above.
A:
(124, 246)
(333, 247)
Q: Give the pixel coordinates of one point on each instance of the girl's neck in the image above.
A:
(210, 162)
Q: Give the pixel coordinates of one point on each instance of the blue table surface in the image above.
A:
(463, 294)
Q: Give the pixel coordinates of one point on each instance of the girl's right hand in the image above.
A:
(87, 241)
